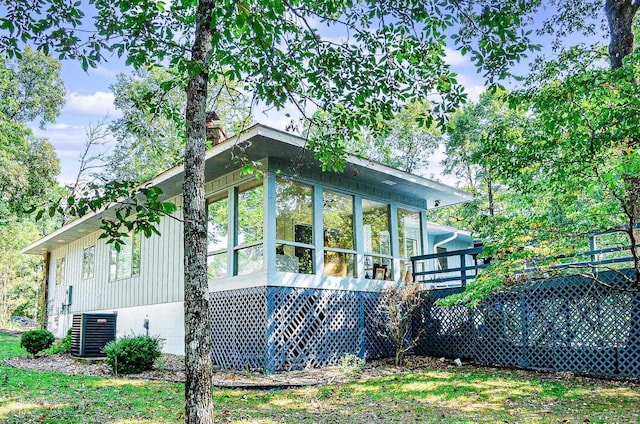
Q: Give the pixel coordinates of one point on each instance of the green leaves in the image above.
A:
(123, 207)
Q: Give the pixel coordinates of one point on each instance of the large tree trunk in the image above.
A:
(44, 295)
(197, 316)
(620, 15)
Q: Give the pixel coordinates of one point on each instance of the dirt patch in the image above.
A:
(171, 368)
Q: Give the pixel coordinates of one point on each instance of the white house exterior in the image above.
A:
(292, 226)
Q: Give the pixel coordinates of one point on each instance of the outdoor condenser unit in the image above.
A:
(90, 333)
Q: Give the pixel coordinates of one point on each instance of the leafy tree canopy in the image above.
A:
(150, 135)
(30, 88)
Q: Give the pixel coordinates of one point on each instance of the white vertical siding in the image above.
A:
(160, 279)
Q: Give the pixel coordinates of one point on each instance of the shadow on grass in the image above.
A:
(455, 395)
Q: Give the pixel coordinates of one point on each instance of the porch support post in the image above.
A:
(395, 242)
(269, 236)
(318, 230)
(232, 195)
(358, 225)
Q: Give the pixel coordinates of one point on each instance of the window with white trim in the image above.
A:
(88, 262)
(125, 263)
(60, 270)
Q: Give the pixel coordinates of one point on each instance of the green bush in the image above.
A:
(131, 355)
(63, 347)
(35, 341)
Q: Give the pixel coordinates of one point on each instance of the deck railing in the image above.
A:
(447, 269)
(457, 267)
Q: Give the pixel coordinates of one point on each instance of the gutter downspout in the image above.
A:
(440, 243)
(445, 241)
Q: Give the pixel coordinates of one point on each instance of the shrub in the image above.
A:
(63, 347)
(35, 341)
(131, 355)
(401, 304)
(351, 364)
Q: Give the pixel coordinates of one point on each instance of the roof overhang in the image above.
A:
(260, 142)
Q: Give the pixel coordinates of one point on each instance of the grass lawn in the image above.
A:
(456, 395)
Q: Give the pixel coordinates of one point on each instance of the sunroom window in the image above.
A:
(377, 240)
(410, 239)
(250, 229)
(337, 217)
(218, 236)
(125, 263)
(88, 262)
(294, 227)
(60, 271)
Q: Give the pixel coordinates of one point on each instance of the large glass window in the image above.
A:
(294, 227)
(88, 262)
(218, 238)
(249, 259)
(410, 239)
(250, 215)
(60, 270)
(377, 240)
(337, 216)
(125, 263)
(250, 226)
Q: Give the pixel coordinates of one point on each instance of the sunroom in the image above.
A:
(295, 254)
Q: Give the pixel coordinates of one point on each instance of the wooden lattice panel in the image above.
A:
(569, 323)
(311, 328)
(377, 344)
(239, 328)
(564, 324)
(441, 331)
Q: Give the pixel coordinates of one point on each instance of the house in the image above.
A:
(294, 254)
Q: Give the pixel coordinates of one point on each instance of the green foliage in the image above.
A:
(135, 208)
(19, 273)
(572, 169)
(132, 355)
(31, 88)
(35, 341)
(151, 133)
(405, 142)
(64, 346)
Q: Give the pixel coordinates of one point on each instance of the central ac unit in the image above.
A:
(90, 333)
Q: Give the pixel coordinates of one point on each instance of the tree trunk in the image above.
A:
(44, 295)
(197, 316)
(620, 15)
(490, 192)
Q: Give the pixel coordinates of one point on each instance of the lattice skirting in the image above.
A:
(275, 328)
(562, 324)
(569, 323)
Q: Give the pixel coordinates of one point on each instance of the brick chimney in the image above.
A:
(215, 133)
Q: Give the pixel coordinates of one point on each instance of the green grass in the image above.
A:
(457, 395)
(10, 346)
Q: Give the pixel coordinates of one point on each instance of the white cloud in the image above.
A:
(455, 58)
(99, 103)
(68, 142)
(472, 86)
